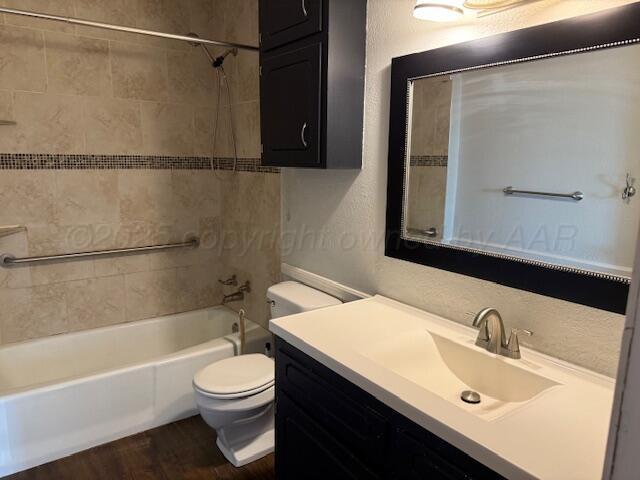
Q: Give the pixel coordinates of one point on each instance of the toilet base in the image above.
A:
(244, 443)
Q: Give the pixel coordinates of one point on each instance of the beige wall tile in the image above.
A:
(54, 7)
(108, 236)
(167, 129)
(53, 239)
(87, 197)
(118, 12)
(251, 225)
(247, 117)
(47, 123)
(171, 16)
(105, 267)
(224, 139)
(22, 60)
(6, 105)
(191, 78)
(138, 72)
(246, 79)
(33, 312)
(95, 303)
(112, 126)
(141, 233)
(243, 196)
(77, 65)
(150, 294)
(146, 196)
(18, 277)
(27, 197)
(241, 20)
(197, 193)
(427, 193)
(203, 123)
(202, 16)
(198, 287)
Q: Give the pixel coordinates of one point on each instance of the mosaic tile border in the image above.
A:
(429, 160)
(27, 161)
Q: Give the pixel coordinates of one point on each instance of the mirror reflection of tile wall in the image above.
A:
(429, 151)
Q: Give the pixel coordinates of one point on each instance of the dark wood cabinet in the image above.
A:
(314, 454)
(416, 454)
(326, 427)
(292, 128)
(285, 21)
(312, 82)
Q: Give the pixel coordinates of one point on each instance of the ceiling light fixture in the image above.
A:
(438, 10)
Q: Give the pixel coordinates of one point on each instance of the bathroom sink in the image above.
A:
(447, 367)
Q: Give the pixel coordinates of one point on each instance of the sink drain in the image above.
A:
(469, 396)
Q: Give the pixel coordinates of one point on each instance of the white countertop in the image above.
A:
(560, 435)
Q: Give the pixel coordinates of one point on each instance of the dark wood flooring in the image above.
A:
(181, 450)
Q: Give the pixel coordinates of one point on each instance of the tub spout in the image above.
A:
(239, 295)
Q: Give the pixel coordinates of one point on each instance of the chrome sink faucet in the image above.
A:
(492, 334)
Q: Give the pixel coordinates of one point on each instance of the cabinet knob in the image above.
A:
(303, 135)
(304, 8)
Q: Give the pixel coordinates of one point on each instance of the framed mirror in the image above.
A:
(515, 158)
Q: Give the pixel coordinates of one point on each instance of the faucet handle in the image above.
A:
(231, 281)
(513, 346)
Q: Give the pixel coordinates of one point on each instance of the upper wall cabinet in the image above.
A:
(285, 21)
(312, 66)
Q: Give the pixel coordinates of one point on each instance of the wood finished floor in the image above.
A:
(181, 450)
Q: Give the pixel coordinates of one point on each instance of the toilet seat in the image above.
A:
(236, 377)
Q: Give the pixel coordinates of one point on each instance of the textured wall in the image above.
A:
(344, 211)
(75, 90)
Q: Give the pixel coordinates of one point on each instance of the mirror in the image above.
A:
(535, 160)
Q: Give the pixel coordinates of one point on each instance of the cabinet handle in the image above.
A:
(303, 135)
(304, 8)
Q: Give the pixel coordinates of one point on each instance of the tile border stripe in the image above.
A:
(28, 161)
(429, 160)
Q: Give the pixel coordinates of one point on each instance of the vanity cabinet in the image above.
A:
(312, 59)
(326, 427)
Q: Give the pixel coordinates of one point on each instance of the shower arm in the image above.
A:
(216, 62)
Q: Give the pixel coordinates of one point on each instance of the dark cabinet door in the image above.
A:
(411, 460)
(285, 21)
(290, 107)
(308, 451)
(417, 454)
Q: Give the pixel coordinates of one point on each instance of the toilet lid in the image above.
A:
(242, 374)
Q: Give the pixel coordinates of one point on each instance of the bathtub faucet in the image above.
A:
(239, 295)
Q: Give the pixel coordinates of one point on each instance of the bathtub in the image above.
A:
(67, 393)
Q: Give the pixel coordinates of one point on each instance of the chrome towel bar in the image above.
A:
(577, 196)
(10, 260)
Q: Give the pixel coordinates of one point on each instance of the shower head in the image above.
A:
(216, 62)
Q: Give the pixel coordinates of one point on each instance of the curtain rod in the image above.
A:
(119, 28)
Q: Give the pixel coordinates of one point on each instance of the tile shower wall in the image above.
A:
(82, 91)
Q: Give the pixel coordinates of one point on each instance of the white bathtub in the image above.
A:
(67, 393)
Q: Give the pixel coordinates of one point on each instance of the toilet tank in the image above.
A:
(288, 298)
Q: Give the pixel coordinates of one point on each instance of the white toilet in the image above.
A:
(235, 395)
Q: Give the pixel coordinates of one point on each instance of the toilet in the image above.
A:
(235, 395)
